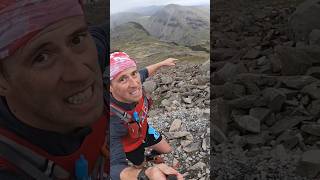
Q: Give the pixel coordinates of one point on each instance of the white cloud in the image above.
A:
(122, 5)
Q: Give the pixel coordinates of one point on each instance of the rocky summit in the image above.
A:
(265, 90)
(181, 112)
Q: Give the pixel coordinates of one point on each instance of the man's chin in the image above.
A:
(91, 117)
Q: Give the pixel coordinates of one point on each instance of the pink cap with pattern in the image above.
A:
(120, 61)
(21, 20)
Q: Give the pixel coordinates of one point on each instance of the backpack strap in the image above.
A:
(120, 113)
(31, 163)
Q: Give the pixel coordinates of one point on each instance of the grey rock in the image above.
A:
(286, 123)
(252, 54)
(187, 100)
(221, 54)
(314, 72)
(218, 135)
(305, 19)
(254, 140)
(149, 86)
(204, 144)
(275, 98)
(296, 82)
(229, 70)
(185, 143)
(245, 102)
(165, 103)
(309, 164)
(260, 113)
(288, 139)
(221, 116)
(166, 79)
(314, 37)
(270, 120)
(179, 134)
(296, 61)
(275, 64)
(314, 107)
(229, 90)
(293, 102)
(248, 123)
(198, 166)
(262, 61)
(206, 113)
(279, 152)
(176, 124)
(313, 129)
(313, 90)
(192, 147)
(305, 100)
(290, 94)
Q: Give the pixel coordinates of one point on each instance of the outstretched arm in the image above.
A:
(154, 67)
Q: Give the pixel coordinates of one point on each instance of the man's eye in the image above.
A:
(123, 79)
(78, 39)
(41, 58)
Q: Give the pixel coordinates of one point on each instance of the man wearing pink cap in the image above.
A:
(51, 106)
(130, 132)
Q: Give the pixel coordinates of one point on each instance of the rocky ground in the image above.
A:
(181, 113)
(265, 93)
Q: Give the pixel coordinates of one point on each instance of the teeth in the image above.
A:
(80, 97)
(134, 92)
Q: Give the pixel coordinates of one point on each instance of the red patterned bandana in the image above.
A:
(120, 61)
(20, 20)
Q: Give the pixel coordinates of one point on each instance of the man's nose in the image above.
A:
(133, 81)
(75, 68)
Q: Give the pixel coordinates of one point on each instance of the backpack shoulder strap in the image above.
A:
(120, 113)
(31, 163)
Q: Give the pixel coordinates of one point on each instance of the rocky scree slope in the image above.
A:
(265, 93)
(181, 113)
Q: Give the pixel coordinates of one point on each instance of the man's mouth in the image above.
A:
(135, 92)
(81, 97)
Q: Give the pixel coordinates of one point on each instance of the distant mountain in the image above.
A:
(146, 11)
(187, 25)
(124, 17)
(184, 25)
(134, 39)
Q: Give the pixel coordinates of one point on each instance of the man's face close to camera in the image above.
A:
(54, 82)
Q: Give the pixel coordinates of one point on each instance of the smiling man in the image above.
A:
(51, 91)
(130, 132)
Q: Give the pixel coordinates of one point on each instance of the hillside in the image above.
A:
(181, 24)
(136, 41)
(184, 25)
(124, 17)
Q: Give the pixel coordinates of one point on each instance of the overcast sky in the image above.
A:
(122, 5)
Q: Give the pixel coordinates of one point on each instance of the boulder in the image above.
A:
(309, 164)
(305, 19)
(248, 123)
(149, 86)
(314, 37)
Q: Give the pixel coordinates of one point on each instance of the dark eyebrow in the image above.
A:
(80, 30)
(37, 48)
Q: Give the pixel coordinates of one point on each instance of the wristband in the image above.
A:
(142, 175)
